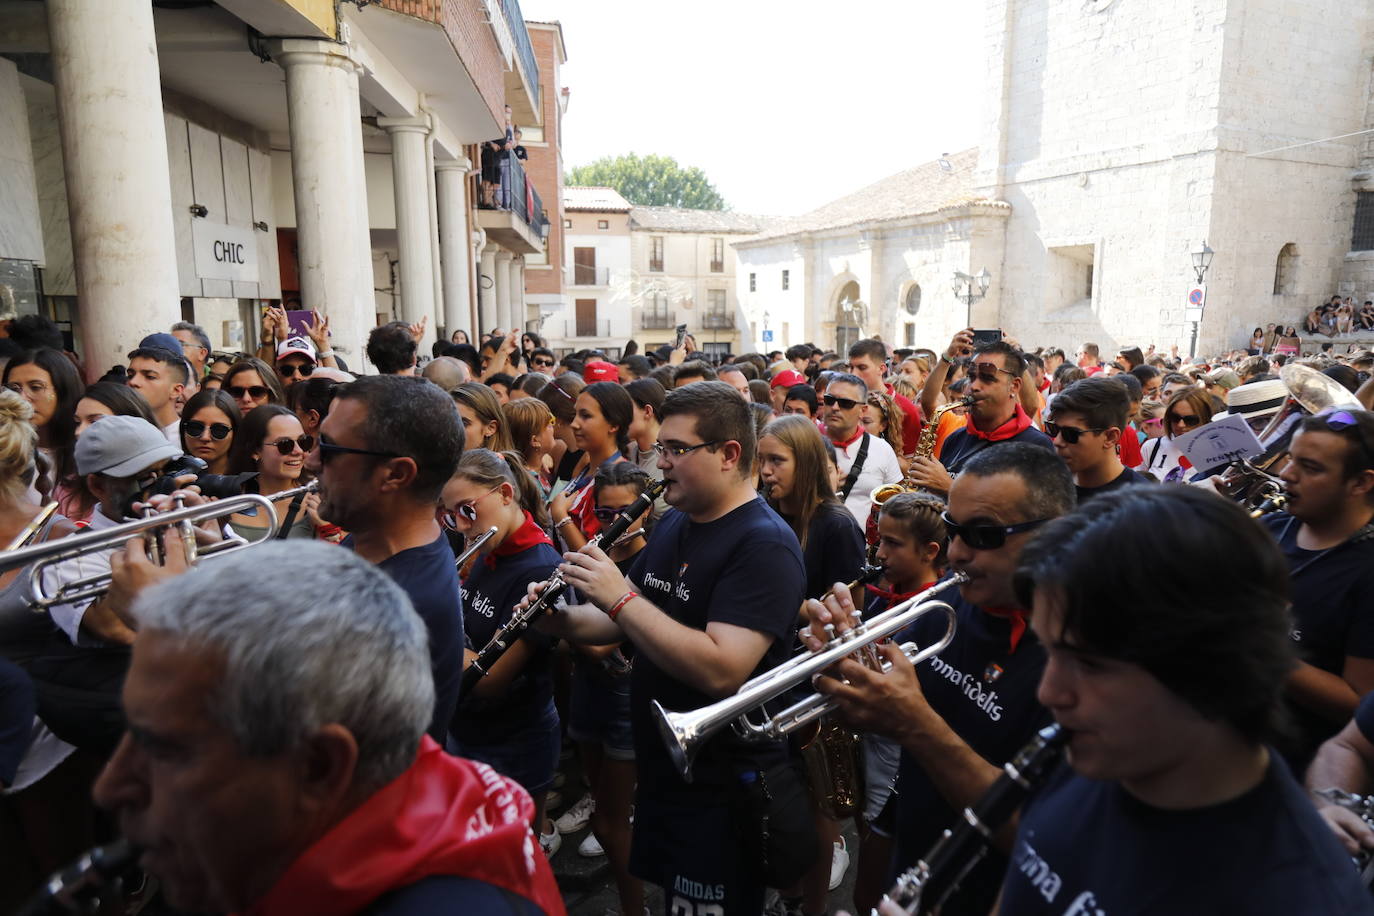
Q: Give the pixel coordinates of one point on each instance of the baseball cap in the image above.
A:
(787, 378)
(1257, 399)
(600, 371)
(1224, 377)
(293, 345)
(161, 341)
(121, 447)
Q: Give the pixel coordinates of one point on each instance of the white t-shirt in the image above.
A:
(879, 467)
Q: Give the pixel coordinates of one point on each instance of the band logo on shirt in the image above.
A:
(481, 604)
(970, 686)
(680, 591)
(1048, 883)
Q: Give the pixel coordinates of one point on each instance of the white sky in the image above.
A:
(784, 106)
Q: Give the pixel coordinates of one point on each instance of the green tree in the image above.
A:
(650, 181)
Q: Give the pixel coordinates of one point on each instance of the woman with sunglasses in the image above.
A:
(253, 383)
(207, 428)
(271, 442)
(601, 428)
(599, 706)
(484, 426)
(509, 720)
(1184, 412)
(531, 429)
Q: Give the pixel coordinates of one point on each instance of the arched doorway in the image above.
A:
(849, 317)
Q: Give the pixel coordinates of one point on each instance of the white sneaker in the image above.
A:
(576, 817)
(551, 842)
(839, 863)
(590, 847)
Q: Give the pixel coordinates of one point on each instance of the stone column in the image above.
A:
(408, 169)
(517, 293)
(455, 251)
(119, 191)
(327, 180)
(503, 293)
(488, 313)
(436, 262)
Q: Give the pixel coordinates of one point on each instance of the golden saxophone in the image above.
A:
(925, 448)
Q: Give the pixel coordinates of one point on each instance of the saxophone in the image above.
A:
(925, 448)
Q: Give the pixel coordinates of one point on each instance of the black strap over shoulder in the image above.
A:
(855, 469)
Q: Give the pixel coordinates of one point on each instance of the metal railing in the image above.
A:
(589, 275)
(574, 328)
(656, 321)
(515, 194)
(524, 51)
(723, 321)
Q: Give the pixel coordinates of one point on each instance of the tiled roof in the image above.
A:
(591, 198)
(924, 189)
(679, 219)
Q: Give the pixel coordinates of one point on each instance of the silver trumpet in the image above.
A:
(473, 545)
(41, 557)
(686, 732)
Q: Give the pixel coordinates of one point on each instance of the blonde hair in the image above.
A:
(892, 419)
(526, 418)
(18, 445)
(904, 386)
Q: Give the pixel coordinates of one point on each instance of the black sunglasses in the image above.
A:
(218, 431)
(608, 513)
(986, 537)
(288, 370)
(845, 403)
(329, 449)
(254, 391)
(286, 445)
(542, 362)
(1071, 434)
(1189, 421)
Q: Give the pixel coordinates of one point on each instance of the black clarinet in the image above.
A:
(927, 884)
(87, 884)
(554, 587)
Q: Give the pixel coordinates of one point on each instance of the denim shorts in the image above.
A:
(881, 759)
(599, 710)
(529, 756)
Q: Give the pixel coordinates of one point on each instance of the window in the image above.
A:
(1362, 239)
(584, 266)
(753, 283)
(786, 279)
(656, 316)
(656, 253)
(1088, 288)
(603, 224)
(717, 256)
(912, 303)
(1286, 270)
(585, 323)
(567, 224)
(716, 314)
(531, 134)
(910, 334)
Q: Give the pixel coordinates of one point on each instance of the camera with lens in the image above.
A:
(212, 486)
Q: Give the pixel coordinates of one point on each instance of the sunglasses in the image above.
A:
(254, 391)
(986, 537)
(328, 450)
(1071, 434)
(1154, 421)
(845, 403)
(606, 514)
(542, 363)
(1188, 421)
(1338, 420)
(286, 445)
(218, 431)
(289, 370)
(987, 372)
(466, 511)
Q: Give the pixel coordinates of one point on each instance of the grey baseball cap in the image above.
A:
(121, 447)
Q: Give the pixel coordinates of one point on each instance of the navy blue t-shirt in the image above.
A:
(1126, 478)
(1364, 717)
(986, 693)
(18, 705)
(1333, 612)
(490, 594)
(959, 446)
(745, 569)
(834, 549)
(1089, 847)
(441, 894)
(428, 576)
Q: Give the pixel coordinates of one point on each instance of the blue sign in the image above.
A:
(767, 336)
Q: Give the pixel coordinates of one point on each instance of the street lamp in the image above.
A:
(1202, 259)
(971, 289)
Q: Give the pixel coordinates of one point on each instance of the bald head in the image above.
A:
(446, 372)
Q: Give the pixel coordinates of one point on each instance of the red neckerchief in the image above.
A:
(523, 538)
(443, 816)
(1044, 385)
(896, 597)
(1019, 423)
(1016, 617)
(858, 432)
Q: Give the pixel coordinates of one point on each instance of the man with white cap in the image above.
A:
(119, 457)
(1257, 402)
(296, 360)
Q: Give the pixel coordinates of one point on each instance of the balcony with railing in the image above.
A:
(722, 321)
(511, 210)
(525, 63)
(578, 327)
(656, 321)
(588, 275)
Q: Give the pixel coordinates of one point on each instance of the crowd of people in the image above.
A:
(293, 726)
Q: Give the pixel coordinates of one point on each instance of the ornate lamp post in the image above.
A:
(971, 289)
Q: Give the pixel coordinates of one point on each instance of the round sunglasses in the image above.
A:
(289, 370)
(465, 510)
(286, 445)
(218, 431)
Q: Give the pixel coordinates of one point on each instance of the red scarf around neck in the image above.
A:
(1019, 423)
(858, 431)
(1015, 616)
(521, 539)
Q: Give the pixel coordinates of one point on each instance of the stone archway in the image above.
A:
(848, 328)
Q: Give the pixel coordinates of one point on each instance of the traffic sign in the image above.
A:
(767, 336)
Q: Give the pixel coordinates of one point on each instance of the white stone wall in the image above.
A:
(21, 233)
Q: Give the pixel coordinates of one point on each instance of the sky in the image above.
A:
(784, 106)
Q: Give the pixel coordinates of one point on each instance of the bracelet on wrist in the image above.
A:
(567, 520)
(625, 599)
(325, 354)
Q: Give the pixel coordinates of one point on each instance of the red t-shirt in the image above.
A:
(911, 421)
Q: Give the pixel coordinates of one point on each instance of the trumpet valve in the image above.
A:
(829, 632)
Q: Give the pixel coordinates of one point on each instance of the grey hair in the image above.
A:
(197, 332)
(310, 635)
